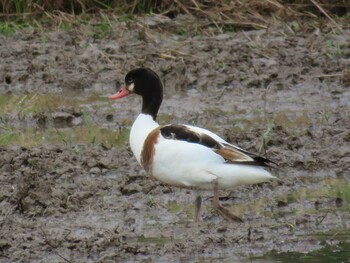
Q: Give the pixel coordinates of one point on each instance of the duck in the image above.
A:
(187, 156)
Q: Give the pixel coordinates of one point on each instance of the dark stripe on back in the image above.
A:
(183, 133)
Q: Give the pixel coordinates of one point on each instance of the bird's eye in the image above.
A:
(129, 81)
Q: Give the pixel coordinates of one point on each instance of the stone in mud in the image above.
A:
(95, 170)
(105, 162)
(5, 168)
(66, 168)
(130, 189)
(4, 244)
(5, 158)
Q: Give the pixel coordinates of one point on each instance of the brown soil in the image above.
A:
(278, 91)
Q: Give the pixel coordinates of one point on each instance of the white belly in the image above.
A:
(190, 165)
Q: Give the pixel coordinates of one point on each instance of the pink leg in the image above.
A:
(198, 204)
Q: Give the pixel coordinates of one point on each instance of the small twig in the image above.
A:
(133, 7)
(48, 242)
(319, 222)
(334, 235)
(181, 53)
(166, 56)
(217, 26)
(195, 3)
(326, 14)
(183, 7)
(20, 14)
(328, 75)
(276, 4)
(67, 260)
(247, 37)
(4, 256)
(253, 25)
(205, 13)
(108, 256)
(42, 10)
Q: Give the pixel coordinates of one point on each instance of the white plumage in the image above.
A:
(140, 129)
(191, 165)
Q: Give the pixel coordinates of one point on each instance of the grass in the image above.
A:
(76, 7)
(266, 137)
(7, 134)
(27, 107)
(91, 130)
(9, 28)
(78, 135)
(102, 30)
(334, 50)
(325, 116)
(23, 105)
(150, 201)
(224, 15)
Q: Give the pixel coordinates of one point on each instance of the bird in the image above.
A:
(187, 156)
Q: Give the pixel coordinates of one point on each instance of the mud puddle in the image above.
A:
(336, 250)
(71, 191)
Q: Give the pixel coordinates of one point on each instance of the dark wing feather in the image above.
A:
(255, 159)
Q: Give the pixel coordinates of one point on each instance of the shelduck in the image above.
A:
(186, 156)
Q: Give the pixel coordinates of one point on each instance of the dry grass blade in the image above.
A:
(183, 7)
(166, 56)
(326, 14)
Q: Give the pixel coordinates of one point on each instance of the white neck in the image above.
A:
(142, 126)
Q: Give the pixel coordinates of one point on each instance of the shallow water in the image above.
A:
(340, 252)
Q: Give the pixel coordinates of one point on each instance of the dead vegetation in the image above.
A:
(237, 14)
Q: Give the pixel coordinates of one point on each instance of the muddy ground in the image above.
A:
(283, 92)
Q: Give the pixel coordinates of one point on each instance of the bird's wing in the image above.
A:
(230, 152)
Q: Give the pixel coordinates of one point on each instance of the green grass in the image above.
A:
(334, 50)
(102, 30)
(91, 130)
(18, 108)
(7, 134)
(23, 105)
(9, 28)
(78, 135)
(266, 136)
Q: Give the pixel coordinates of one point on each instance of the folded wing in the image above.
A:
(231, 153)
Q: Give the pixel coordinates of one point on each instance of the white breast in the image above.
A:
(142, 126)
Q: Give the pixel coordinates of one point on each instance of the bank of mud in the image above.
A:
(282, 93)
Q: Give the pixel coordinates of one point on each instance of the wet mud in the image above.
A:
(71, 191)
